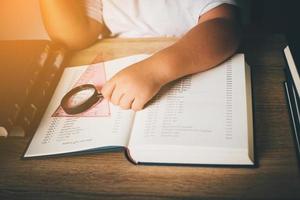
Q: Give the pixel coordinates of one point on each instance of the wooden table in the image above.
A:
(112, 176)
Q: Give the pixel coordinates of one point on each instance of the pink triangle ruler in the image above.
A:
(94, 74)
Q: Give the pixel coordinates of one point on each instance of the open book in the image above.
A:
(204, 118)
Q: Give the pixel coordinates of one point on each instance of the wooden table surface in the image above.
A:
(112, 176)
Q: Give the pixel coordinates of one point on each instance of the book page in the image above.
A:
(293, 68)
(58, 135)
(207, 110)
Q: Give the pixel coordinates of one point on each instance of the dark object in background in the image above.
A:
(29, 73)
(281, 16)
(292, 85)
(292, 88)
(277, 16)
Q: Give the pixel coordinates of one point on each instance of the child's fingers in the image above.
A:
(137, 104)
(107, 90)
(116, 96)
(125, 102)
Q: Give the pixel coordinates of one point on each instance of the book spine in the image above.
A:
(129, 157)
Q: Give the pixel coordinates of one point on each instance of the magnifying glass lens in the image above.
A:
(80, 97)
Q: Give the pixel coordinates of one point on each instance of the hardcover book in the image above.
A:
(205, 118)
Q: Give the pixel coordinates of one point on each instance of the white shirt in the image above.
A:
(150, 18)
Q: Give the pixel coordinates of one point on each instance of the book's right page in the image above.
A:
(199, 119)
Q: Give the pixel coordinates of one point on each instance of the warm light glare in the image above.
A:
(21, 19)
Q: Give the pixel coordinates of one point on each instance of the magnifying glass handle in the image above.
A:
(100, 95)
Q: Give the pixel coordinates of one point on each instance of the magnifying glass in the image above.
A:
(80, 99)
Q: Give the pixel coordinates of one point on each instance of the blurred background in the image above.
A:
(21, 19)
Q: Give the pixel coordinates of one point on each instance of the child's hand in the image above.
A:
(133, 87)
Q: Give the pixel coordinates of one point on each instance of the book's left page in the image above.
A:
(103, 126)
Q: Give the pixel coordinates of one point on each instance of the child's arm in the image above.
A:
(213, 40)
(66, 22)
